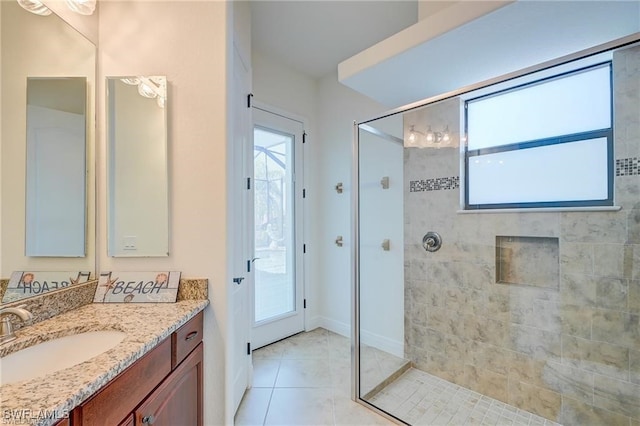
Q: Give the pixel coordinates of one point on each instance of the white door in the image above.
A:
(238, 355)
(278, 308)
(56, 169)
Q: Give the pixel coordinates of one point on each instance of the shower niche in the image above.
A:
(528, 261)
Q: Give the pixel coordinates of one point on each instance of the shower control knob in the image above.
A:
(432, 241)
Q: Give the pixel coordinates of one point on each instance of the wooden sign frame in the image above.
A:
(137, 287)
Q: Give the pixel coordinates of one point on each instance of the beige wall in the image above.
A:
(188, 42)
(569, 353)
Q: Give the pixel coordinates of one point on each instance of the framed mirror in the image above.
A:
(48, 70)
(138, 193)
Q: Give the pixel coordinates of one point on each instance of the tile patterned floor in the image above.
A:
(306, 380)
(422, 399)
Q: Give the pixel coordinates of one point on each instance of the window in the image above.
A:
(548, 143)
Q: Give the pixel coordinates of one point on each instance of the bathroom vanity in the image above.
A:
(174, 367)
(153, 376)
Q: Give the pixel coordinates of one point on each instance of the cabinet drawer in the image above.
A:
(185, 339)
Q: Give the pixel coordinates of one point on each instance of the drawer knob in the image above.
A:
(191, 335)
(148, 420)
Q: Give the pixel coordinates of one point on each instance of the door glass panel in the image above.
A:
(274, 243)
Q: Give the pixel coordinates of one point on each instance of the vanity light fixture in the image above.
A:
(83, 7)
(443, 137)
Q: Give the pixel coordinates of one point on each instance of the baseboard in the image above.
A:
(313, 323)
(338, 327)
(383, 343)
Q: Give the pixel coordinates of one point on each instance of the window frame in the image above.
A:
(555, 140)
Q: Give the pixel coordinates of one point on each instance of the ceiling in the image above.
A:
(314, 36)
(511, 39)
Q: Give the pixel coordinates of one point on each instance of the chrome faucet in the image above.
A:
(7, 333)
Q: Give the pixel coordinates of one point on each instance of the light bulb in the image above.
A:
(144, 89)
(445, 136)
(34, 6)
(430, 135)
(131, 81)
(412, 136)
(83, 7)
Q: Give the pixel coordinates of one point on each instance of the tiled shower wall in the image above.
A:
(570, 351)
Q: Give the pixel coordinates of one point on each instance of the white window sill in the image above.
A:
(545, 210)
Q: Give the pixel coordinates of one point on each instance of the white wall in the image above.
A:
(338, 107)
(331, 109)
(188, 42)
(289, 90)
(381, 218)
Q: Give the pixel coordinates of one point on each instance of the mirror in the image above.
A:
(56, 166)
(47, 221)
(138, 203)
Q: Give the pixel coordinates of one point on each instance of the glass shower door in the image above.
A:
(508, 320)
(381, 252)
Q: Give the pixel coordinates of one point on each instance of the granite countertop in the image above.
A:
(146, 325)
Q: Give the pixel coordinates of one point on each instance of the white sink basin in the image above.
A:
(57, 354)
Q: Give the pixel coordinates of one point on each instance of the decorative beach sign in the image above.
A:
(23, 284)
(137, 287)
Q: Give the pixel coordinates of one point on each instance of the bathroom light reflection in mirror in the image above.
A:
(137, 166)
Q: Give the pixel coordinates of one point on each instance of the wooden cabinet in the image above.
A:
(164, 387)
(178, 400)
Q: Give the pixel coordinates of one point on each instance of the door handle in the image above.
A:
(238, 280)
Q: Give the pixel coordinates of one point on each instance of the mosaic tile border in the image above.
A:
(628, 166)
(434, 184)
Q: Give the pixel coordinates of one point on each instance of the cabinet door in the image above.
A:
(128, 421)
(178, 400)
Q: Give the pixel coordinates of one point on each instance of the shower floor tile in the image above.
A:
(419, 398)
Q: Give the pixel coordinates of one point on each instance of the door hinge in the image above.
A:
(248, 348)
(304, 248)
(304, 304)
(249, 99)
(248, 183)
(304, 137)
(248, 266)
(304, 193)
